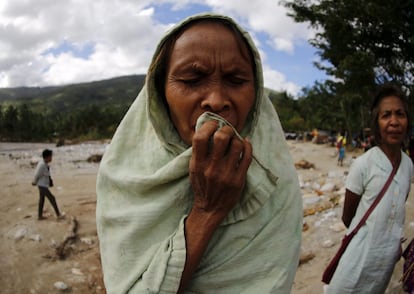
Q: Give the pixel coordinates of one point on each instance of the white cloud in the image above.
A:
(124, 34)
(277, 81)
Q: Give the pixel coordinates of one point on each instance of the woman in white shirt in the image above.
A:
(368, 262)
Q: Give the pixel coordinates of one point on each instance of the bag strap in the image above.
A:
(376, 201)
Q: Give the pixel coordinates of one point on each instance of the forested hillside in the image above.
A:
(79, 111)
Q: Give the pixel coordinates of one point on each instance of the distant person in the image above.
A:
(369, 143)
(340, 146)
(197, 192)
(43, 180)
(368, 262)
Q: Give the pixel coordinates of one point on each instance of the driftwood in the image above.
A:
(71, 235)
(95, 158)
(304, 164)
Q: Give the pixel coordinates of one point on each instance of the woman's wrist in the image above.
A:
(203, 221)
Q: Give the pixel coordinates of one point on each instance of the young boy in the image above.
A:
(43, 181)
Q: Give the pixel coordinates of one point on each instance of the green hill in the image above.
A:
(66, 99)
(82, 111)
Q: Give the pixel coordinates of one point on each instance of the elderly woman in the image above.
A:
(368, 262)
(197, 191)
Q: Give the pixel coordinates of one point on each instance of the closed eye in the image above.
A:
(191, 82)
(235, 79)
(401, 113)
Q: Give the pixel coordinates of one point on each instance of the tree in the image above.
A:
(361, 44)
(10, 122)
(25, 125)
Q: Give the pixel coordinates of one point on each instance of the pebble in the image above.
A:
(328, 243)
(87, 241)
(35, 237)
(61, 286)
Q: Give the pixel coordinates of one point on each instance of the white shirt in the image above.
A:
(42, 173)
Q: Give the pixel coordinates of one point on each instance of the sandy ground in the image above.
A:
(29, 262)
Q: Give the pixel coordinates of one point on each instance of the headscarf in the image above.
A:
(144, 195)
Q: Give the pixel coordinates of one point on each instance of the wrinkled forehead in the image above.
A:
(219, 26)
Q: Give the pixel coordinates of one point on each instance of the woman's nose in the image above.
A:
(394, 119)
(215, 100)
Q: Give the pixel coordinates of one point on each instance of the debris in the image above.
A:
(94, 158)
(318, 207)
(306, 257)
(304, 164)
(35, 237)
(70, 236)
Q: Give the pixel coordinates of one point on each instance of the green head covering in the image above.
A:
(144, 195)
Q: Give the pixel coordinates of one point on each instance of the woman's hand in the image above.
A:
(218, 169)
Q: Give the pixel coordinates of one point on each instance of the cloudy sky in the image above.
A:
(55, 42)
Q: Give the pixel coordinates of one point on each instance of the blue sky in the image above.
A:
(63, 42)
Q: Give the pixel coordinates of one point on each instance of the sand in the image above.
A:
(29, 262)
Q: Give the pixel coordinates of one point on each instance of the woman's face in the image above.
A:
(392, 121)
(208, 70)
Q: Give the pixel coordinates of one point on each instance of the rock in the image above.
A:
(332, 174)
(60, 142)
(338, 227)
(34, 161)
(316, 186)
(341, 191)
(328, 243)
(78, 276)
(87, 241)
(309, 200)
(20, 234)
(328, 187)
(61, 286)
(53, 244)
(77, 271)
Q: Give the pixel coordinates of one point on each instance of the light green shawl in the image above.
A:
(144, 195)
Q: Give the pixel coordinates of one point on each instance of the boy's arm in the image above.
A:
(37, 174)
